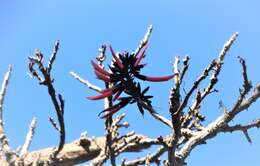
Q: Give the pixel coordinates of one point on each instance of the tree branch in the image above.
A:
(152, 158)
(145, 40)
(81, 150)
(47, 81)
(7, 151)
(29, 137)
(85, 82)
(243, 128)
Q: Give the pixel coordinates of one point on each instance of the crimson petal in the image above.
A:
(102, 76)
(143, 45)
(110, 111)
(141, 56)
(118, 93)
(159, 79)
(113, 88)
(99, 68)
(119, 63)
(101, 96)
(155, 79)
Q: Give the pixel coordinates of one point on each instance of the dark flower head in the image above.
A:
(124, 69)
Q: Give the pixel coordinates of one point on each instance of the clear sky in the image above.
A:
(197, 28)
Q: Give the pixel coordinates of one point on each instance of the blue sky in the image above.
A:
(197, 28)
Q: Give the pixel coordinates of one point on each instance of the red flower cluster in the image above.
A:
(123, 71)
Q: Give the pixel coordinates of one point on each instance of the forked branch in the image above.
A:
(45, 78)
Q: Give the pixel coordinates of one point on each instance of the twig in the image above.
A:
(153, 158)
(243, 128)
(53, 56)
(246, 88)
(3, 138)
(102, 54)
(144, 41)
(54, 124)
(184, 68)
(199, 97)
(195, 86)
(85, 82)
(29, 137)
(156, 115)
(218, 66)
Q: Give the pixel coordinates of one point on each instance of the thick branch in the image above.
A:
(80, 151)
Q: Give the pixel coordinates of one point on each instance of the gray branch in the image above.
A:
(29, 137)
(7, 151)
(85, 82)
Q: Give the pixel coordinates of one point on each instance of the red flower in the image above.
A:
(123, 71)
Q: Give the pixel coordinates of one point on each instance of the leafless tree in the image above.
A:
(187, 130)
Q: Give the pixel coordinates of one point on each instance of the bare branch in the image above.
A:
(246, 103)
(7, 151)
(85, 82)
(53, 56)
(246, 88)
(239, 127)
(195, 86)
(176, 69)
(29, 137)
(129, 143)
(54, 124)
(153, 158)
(218, 66)
(102, 54)
(213, 128)
(47, 81)
(156, 115)
(217, 126)
(145, 40)
(184, 68)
